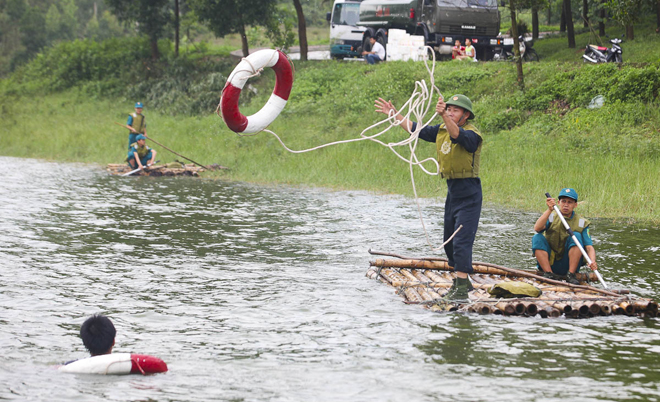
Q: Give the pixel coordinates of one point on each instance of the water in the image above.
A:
(259, 293)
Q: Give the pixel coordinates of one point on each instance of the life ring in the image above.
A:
(250, 65)
(117, 364)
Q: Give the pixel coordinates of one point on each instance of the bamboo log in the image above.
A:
(442, 265)
(409, 276)
(506, 308)
(372, 273)
(482, 308)
(581, 308)
(412, 295)
(644, 305)
(548, 310)
(434, 277)
(530, 308)
(519, 308)
(594, 308)
(423, 292)
(605, 309)
(627, 308)
(420, 276)
(591, 276)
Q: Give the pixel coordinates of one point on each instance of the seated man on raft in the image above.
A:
(140, 154)
(556, 253)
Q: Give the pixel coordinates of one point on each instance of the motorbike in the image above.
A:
(527, 51)
(599, 54)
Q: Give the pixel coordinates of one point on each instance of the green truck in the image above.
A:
(440, 22)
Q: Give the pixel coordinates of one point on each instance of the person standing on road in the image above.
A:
(377, 52)
(458, 143)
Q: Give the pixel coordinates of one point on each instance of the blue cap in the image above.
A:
(138, 104)
(140, 137)
(568, 192)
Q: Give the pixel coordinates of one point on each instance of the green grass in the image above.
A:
(539, 141)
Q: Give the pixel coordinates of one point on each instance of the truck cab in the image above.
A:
(440, 22)
(345, 34)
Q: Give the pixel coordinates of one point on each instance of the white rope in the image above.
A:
(417, 107)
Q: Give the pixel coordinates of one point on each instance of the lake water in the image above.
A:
(258, 293)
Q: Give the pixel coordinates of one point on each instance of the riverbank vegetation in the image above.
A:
(62, 106)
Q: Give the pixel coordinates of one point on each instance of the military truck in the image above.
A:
(440, 22)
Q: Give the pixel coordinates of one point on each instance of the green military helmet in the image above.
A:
(461, 101)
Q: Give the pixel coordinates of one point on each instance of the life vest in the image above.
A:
(556, 233)
(138, 123)
(455, 161)
(141, 151)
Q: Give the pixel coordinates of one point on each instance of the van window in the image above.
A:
(346, 14)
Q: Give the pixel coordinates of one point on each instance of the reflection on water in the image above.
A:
(258, 293)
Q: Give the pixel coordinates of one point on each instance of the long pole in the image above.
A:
(577, 243)
(138, 169)
(163, 146)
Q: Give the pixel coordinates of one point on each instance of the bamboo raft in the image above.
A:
(424, 281)
(118, 169)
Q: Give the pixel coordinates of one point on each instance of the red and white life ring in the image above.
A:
(116, 363)
(274, 59)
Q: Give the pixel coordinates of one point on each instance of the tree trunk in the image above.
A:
(244, 41)
(630, 32)
(516, 46)
(302, 29)
(176, 28)
(155, 54)
(535, 22)
(602, 14)
(570, 32)
(550, 12)
(562, 18)
(585, 12)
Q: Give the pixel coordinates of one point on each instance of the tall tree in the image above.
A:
(224, 17)
(626, 12)
(601, 18)
(585, 13)
(152, 17)
(176, 28)
(302, 29)
(570, 31)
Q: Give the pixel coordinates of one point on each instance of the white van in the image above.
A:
(345, 35)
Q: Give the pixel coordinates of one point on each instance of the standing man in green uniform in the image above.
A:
(555, 251)
(458, 144)
(136, 120)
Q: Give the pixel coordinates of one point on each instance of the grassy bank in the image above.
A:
(537, 141)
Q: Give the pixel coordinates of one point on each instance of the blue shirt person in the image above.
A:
(555, 251)
(137, 121)
(458, 144)
(139, 154)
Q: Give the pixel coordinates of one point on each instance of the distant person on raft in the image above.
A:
(137, 122)
(140, 154)
(458, 143)
(555, 251)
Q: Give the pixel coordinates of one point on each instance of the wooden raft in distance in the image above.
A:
(425, 281)
(118, 169)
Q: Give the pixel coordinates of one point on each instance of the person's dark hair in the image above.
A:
(98, 334)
